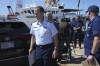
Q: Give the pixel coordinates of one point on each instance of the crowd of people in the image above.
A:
(50, 36)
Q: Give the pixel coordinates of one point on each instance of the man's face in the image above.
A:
(38, 13)
(88, 14)
(49, 16)
(77, 19)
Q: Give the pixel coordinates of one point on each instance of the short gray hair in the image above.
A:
(48, 13)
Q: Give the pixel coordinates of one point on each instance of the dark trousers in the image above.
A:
(62, 48)
(71, 35)
(98, 60)
(44, 55)
(77, 35)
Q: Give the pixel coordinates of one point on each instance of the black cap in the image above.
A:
(93, 8)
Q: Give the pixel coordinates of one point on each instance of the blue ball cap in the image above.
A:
(93, 8)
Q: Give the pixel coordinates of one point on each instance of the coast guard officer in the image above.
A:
(92, 36)
(78, 31)
(44, 34)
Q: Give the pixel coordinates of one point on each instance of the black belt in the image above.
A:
(43, 46)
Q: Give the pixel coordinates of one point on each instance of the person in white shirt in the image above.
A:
(44, 34)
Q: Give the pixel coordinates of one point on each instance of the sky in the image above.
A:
(72, 4)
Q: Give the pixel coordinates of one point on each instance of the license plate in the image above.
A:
(7, 45)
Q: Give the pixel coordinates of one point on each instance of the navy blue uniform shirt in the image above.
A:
(93, 29)
(78, 24)
(72, 23)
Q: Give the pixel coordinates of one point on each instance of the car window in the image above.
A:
(11, 25)
(14, 28)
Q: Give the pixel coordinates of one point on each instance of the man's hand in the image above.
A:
(30, 50)
(76, 28)
(55, 54)
(90, 59)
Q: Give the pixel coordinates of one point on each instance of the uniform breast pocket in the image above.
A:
(44, 32)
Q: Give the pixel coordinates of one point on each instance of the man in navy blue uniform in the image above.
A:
(72, 23)
(78, 31)
(92, 36)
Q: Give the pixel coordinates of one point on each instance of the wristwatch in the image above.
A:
(92, 54)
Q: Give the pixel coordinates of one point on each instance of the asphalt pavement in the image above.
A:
(77, 57)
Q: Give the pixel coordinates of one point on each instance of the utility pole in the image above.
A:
(78, 7)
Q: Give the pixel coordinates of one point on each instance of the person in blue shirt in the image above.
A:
(72, 23)
(44, 34)
(92, 36)
(49, 17)
(78, 31)
(51, 20)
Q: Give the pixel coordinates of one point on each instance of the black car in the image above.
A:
(14, 43)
